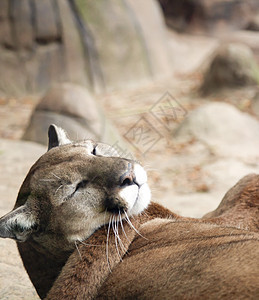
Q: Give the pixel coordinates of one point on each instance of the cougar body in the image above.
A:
(86, 229)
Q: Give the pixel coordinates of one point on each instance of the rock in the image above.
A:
(16, 157)
(49, 63)
(74, 101)
(74, 54)
(225, 173)
(219, 146)
(34, 54)
(20, 13)
(208, 16)
(74, 109)
(245, 37)
(232, 65)
(96, 44)
(253, 24)
(47, 22)
(118, 44)
(5, 32)
(225, 131)
(255, 104)
(132, 44)
(149, 18)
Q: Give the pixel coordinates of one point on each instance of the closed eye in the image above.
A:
(82, 184)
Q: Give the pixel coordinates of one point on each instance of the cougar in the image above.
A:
(86, 228)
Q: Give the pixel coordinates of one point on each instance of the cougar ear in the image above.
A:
(57, 137)
(18, 224)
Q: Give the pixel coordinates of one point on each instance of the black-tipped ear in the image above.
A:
(18, 224)
(57, 137)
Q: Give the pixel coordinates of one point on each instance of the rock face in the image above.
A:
(130, 45)
(208, 16)
(74, 109)
(40, 44)
(96, 44)
(232, 65)
(225, 130)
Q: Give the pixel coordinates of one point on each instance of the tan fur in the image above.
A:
(70, 252)
(240, 206)
(186, 260)
(92, 267)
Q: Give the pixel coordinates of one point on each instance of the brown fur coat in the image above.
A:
(172, 258)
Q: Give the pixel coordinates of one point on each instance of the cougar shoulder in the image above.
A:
(86, 228)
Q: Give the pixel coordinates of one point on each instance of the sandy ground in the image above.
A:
(15, 159)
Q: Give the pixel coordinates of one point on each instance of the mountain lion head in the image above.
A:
(72, 190)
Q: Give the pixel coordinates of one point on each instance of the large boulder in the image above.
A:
(207, 15)
(98, 44)
(232, 65)
(73, 108)
(224, 130)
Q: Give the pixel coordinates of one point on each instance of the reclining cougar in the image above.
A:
(86, 229)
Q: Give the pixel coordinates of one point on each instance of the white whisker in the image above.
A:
(145, 213)
(92, 245)
(123, 227)
(132, 226)
(78, 251)
(56, 176)
(47, 180)
(123, 248)
(58, 188)
(115, 238)
(107, 244)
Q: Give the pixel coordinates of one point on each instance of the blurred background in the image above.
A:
(173, 83)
